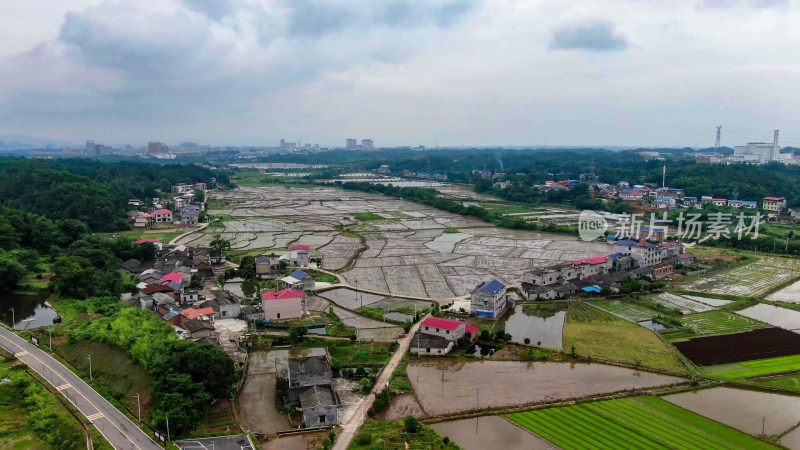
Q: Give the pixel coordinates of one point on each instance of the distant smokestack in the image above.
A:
(776, 150)
(664, 177)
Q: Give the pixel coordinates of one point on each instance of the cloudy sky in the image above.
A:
(402, 72)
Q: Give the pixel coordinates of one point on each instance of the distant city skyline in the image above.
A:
(452, 72)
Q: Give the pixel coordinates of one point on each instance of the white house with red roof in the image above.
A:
(200, 186)
(299, 255)
(158, 244)
(438, 336)
(773, 205)
(162, 215)
(285, 304)
(591, 267)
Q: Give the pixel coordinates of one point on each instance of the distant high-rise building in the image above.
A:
(366, 144)
(352, 144)
(157, 148)
(93, 150)
(283, 144)
(90, 148)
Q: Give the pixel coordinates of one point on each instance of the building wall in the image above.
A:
(321, 416)
(282, 309)
(448, 334)
(299, 257)
(433, 351)
(482, 301)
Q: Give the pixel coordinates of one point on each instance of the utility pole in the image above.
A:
(167, 417)
(139, 408)
(763, 424)
(50, 334)
(89, 357)
(13, 320)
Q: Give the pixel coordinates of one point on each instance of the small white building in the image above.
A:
(299, 255)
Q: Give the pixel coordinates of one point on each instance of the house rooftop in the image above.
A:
(595, 260)
(774, 199)
(298, 274)
(174, 277)
(424, 340)
(300, 247)
(162, 211)
(314, 396)
(141, 241)
(445, 324)
(492, 287)
(284, 294)
(192, 313)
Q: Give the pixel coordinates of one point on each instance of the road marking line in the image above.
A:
(94, 417)
(63, 387)
(22, 353)
(78, 391)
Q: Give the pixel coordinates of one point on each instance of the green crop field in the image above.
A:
(640, 422)
(712, 323)
(791, 382)
(365, 217)
(755, 368)
(626, 310)
(598, 334)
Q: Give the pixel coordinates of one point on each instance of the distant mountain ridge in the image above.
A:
(22, 142)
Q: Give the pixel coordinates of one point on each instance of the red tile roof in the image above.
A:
(147, 240)
(473, 331)
(284, 294)
(300, 247)
(174, 276)
(162, 211)
(445, 324)
(191, 313)
(153, 288)
(775, 199)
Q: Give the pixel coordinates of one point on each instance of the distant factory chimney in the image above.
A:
(664, 177)
(776, 149)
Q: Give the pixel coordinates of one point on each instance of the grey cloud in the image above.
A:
(758, 4)
(412, 13)
(214, 9)
(316, 18)
(452, 13)
(592, 36)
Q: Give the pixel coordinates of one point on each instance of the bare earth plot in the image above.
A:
(754, 279)
(257, 399)
(449, 386)
(408, 253)
(789, 294)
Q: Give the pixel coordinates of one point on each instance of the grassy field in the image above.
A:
(366, 217)
(112, 370)
(345, 353)
(755, 368)
(712, 323)
(391, 435)
(629, 311)
(599, 334)
(162, 234)
(640, 422)
(791, 382)
(30, 418)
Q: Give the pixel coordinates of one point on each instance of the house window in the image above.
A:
(428, 349)
(322, 419)
(279, 315)
(224, 313)
(448, 331)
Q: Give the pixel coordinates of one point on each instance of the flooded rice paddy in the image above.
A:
(448, 386)
(773, 315)
(479, 433)
(742, 409)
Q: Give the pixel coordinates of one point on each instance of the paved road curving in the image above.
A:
(118, 430)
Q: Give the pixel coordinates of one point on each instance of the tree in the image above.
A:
(366, 385)
(71, 276)
(247, 267)
(11, 273)
(297, 333)
(219, 244)
(146, 251)
(200, 196)
(412, 424)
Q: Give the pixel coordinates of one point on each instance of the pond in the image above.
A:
(482, 351)
(447, 242)
(319, 331)
(241, 288)
(542, 324)
(401, 317)
(30, 311)
(652, 324)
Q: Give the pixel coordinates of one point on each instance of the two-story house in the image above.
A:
(489, 299)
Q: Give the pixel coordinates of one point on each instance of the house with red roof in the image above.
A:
(162, 215)
(285, 304)
(774, 205)
(158, 244)
(172, 277)
(438, 336)
(194, 313)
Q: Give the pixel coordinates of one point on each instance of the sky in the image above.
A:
(401, 72)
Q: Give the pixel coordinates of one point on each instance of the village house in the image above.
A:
(139, 219)
(200, 186)
(438, 336)
(198, 328)
(662, 270)
(158, 244)
(489, 299)
(225, 305)
(719, 201)
(590, 267)
(644, 253)
(686, 259)
(285, 304)
(190, 215)
(299, 281)
(774, 205)
(182, 188)
(309, 376)
(266, 266)
(162, 216)
(654, 233)
(299, 255)
(664, 202)
(742, 204)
